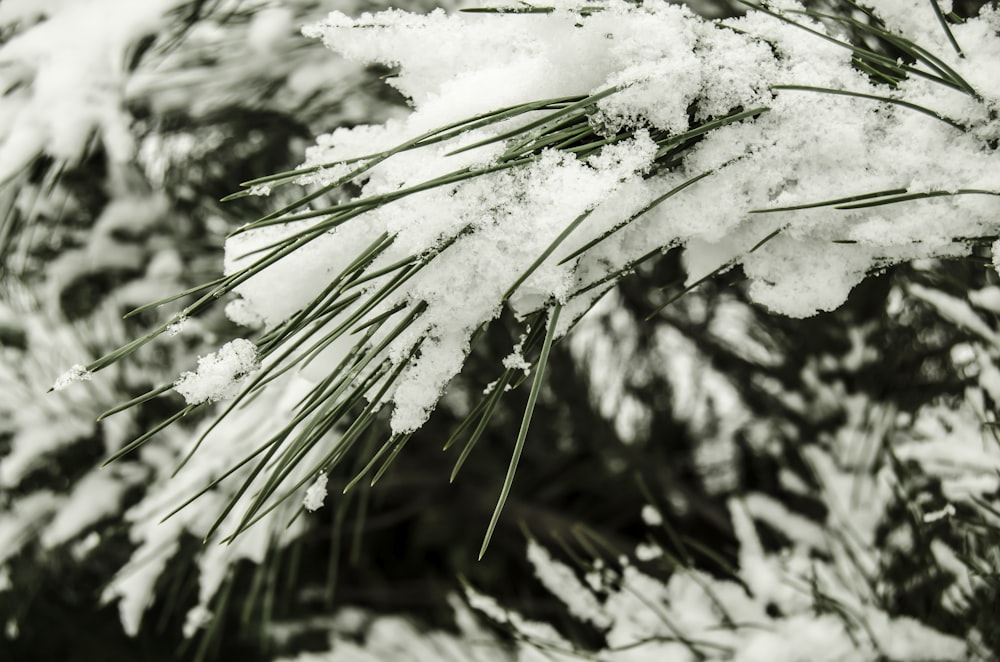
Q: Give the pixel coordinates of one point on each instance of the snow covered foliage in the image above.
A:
(101, 67)
(220, 374)
(786, 607)
(359, 636)
(862, 510)
(864, 530)
(119, 123)
(832, 170)
(152, 87)
(46, 87)
(821, 410)
(456, 217)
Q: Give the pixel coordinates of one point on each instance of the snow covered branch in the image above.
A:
(770, 141)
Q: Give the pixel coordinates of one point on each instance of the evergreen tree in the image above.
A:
(706, 299)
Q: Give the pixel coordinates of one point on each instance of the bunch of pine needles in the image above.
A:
(346, 401)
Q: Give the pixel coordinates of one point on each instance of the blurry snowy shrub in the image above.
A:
(806, 603)
(359, 636)
(170, 85)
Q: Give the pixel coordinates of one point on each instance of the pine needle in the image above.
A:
(536, 387)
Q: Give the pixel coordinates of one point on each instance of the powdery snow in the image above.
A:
(561, 581)
(220, 374)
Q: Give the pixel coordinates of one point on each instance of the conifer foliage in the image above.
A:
(700, 302)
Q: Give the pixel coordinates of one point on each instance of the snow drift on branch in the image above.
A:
(775, 151)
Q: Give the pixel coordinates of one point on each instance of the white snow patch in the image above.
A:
(316, 494)
(651, 516)
(221, 374)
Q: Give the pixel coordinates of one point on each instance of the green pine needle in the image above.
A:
(536, 387)
(875, 97)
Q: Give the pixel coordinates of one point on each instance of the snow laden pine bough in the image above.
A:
(550, 152)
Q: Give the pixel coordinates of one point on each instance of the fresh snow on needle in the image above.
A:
(220, 374)
(75, 374)
(316, 494)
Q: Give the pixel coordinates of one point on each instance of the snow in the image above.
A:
(95, 497)
(645, 616)
(231, 441)
(606, 344)
(40, 424)
(316, 494)
(935, 515)
(987, 298)
(705, 400)
(904, 638)
(220, 374)
(357, 635)
(73, 90)
(27, 514)
(177, 327)
(952, 446)
(651, 516)
(269, 28)
(956, 597)
(532, 630)
(75, 374)
(801, 530)
(956, 310)
(196, 619)
(134, 584)
(647, 552)
(85, 546)
(563, 582)
(216, 565)
(668, 68)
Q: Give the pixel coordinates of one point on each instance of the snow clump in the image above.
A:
(221, 374)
